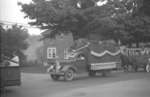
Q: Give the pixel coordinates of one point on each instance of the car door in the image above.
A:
(81, 64)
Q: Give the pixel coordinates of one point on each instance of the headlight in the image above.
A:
(45, 64)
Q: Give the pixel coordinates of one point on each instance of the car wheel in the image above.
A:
(148, 68)
(69, 75)
(54, 77)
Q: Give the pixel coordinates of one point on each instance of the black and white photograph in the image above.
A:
(74, 48)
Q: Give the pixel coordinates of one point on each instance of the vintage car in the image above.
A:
(91, 58)
(67, 68)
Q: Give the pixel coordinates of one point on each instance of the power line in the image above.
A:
(4, 22)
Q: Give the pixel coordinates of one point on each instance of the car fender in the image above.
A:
(65, 68)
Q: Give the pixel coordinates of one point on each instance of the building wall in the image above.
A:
(61, 43)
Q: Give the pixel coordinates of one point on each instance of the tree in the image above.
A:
(134, 27)
(145, 8)
(13, 40)
(138, 24)
(138, 27)
(80, 17)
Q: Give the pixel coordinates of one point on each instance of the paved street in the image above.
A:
(40, 85)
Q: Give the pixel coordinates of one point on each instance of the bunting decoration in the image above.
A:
(105, 52)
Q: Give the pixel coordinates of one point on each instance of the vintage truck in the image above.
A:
(93, 57)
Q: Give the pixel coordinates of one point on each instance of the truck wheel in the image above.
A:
(105, 73)
(92, 73)
(136, 68)
(54, 77)
(69, 75)
(148, 68)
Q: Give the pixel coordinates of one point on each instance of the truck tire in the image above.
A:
(92, 73)
(69, 75)
(105, 73)
(136, 68)
(54, 77)
(147, 68)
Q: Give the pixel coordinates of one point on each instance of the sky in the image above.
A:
(10, 12)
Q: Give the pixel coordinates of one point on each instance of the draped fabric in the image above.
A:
(105, 52)
(98, 49)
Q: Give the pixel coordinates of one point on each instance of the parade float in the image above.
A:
(93, 57)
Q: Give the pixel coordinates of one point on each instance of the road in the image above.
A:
(40, 85)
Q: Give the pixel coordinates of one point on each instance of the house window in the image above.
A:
(51, 53)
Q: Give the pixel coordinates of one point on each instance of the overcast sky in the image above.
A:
(10, 11)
